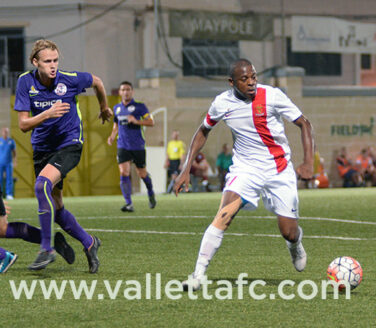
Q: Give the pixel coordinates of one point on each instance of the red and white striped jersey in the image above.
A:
(257, 127)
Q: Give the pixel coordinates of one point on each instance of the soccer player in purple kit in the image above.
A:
(50, 95)
(129, 117)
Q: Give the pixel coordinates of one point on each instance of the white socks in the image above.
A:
(210, 242)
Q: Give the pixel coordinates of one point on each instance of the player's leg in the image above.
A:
(211, 241)
(126, 185)
(7, 259)
(69, 224)
(280, 196)
(293, 235)
(144, 175)
(44, 183)
(139, 158)
(9, 181)
(173, 172)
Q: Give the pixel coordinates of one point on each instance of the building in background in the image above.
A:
(177, 53)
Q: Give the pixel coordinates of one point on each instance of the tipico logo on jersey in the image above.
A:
(33, 92)
(61, 89)
(260, 110)
(44, 104)
(131, 108)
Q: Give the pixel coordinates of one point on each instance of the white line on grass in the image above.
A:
(227, 234)
(210, 217)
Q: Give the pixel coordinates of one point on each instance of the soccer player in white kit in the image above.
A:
(261, 162)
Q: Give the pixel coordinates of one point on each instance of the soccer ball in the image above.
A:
(345, 268)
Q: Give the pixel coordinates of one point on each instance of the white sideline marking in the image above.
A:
(133, 217)
(210, 217)
(227, 234)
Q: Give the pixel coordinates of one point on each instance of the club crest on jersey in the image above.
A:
(131, 108)
(61, 89)
(33, 92)
(260, 110)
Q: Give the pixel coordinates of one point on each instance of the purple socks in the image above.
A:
(126, 188)
(24, 231)
(70, 225)
(149, 185)
(46, 210)
(2, 253)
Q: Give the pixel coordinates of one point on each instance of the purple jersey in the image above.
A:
(54, 133)
(131, 136)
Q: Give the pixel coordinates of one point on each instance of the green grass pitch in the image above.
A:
(165, 241)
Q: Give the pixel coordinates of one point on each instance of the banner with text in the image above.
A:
(322, 34)
(222, 26)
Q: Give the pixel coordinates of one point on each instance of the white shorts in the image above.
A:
(279, 191)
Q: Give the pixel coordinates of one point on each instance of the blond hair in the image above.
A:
(41, 45)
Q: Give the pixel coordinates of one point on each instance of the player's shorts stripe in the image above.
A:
(260, 120)
(210, 121)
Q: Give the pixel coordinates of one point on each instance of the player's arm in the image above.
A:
(146, 121)
(305, 170)
(198, 141)
(114, 132)
(100, 92)
(27, 122)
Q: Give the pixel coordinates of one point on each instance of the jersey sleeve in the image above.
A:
(214, 115)
(285, 107)
(144, 112)
(22, 101)
(85, 80)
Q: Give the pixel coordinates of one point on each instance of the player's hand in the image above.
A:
(58, 109)
(305, 171)
(110, 140)
(105, 115)
(132, 119)
(182, 181)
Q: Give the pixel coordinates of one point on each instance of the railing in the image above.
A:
(8, 79)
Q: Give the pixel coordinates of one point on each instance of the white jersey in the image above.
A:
(257, 127)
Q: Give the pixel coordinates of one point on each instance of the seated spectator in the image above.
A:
(224, 161)
(364, 165)
(351, 177)
(200, 170)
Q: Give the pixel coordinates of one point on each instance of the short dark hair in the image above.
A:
(237, 63)
(126, 83)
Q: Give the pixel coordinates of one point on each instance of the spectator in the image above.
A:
(223, 163)
(351, 177)
(200, 170)
(364, 165)
(175, 158)
(7, 161)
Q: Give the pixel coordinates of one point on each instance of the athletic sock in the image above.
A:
(210, 243)
(149, 185)
(24, 231)
(2, 253)
(170, 186)
(126, 188)
(46, 210)
(68, 222)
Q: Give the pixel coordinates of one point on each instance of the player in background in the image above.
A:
(175, 158)
(261, 162)
(129, 118)
(8, 159)
(50, 94)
